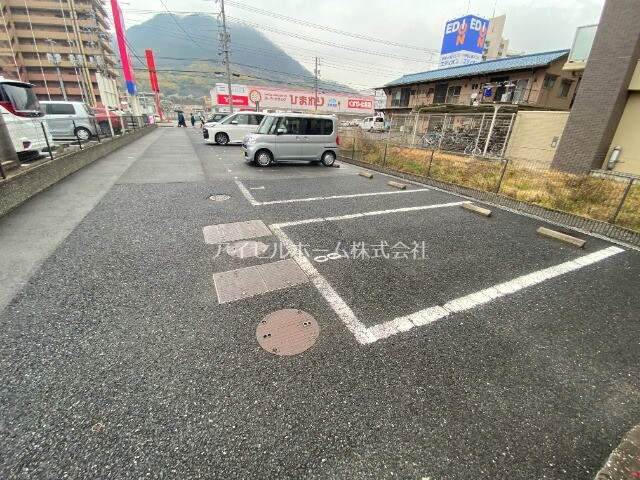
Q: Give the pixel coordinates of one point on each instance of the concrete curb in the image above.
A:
(624, 461)
(19, 188)
(627, 237)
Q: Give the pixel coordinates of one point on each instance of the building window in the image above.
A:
(475, 86)
(549, 82)
(564, 89)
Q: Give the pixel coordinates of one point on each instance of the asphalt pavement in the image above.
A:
(118, 361)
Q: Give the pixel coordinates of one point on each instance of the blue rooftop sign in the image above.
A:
(463, 41)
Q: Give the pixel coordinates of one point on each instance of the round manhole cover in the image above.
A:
(287, 332)
(219, 197)
(247, 249)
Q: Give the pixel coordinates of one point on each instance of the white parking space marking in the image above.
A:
(365, 214)
(255, 202)
(367, 335)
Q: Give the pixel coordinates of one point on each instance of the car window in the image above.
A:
(242, 119)
(22, 98)
(229, 119)
(327, 126)
(61, 109)
(313, 126)
(379, 120)
(255, 119)
(268, 125)
(291, 125)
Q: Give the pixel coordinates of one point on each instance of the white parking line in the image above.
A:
(366, 214)
(255, 202)
(367, 335)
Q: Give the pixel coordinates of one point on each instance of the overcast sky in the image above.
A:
(531, 27)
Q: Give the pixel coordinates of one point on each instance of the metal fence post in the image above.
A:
(504, 169)
(75, 130)
(493, 123)
(622, 200)
(353, 149)
(384, 159)
(46, 139)
(444, 127)
(415, 127)
(111, 124)
(430, 161)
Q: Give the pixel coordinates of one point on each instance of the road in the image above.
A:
(451, 346)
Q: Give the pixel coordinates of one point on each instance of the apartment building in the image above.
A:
(536, 79)
(63, 47)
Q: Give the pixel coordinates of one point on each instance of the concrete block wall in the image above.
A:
(19, 188)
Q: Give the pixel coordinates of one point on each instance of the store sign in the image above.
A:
(287, 99)
(463, 41)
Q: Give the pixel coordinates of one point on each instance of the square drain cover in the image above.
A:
(247, 282)
(231, 232)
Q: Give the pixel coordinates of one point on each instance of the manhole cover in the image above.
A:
(287, 332)
(219, 197)
(247, 249)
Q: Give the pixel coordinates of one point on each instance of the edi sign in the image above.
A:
(463, 41)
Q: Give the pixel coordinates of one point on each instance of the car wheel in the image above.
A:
(263, 158)
(104, 128)
(328, 158)
(83, 134)
(222, 138)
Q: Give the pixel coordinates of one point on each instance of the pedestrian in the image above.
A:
(201, 120)
(181, 122)
(193, 121)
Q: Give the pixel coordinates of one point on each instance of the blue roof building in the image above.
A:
(536, 79)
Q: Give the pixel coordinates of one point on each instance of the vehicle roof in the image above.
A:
(61, 101)
(16, 82)
(303, 115)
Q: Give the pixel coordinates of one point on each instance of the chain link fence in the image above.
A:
(472, 151)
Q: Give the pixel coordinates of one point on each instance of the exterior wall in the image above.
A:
(535, 136)
(496, 45)
(549, 97)
(603, 94)
(627, 137)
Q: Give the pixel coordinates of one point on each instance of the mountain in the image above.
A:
(189, 60)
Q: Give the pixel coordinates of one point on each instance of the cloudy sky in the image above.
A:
(400, 35)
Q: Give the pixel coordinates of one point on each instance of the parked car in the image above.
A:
(103, 117)
(233, 128)
(24, 119)
(214, 119)
(60, 117)
(373, 124)
(291, 137)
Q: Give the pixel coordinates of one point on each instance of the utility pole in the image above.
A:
(315, 71)
(225, 47)
(317, 74)
(55, 59)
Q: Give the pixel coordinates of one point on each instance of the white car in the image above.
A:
(233, 128)
(21, 111)
(373, 124)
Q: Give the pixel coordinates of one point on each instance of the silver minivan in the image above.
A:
(60, 117)
(292, 137)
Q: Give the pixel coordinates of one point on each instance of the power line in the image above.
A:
(325, 28)
(178, 23)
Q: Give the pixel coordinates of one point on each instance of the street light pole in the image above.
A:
(225, 46)
(55, 59)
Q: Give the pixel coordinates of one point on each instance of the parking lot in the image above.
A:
(450, 345)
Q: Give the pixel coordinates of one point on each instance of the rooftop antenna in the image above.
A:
(468, 7)
(494, 9)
